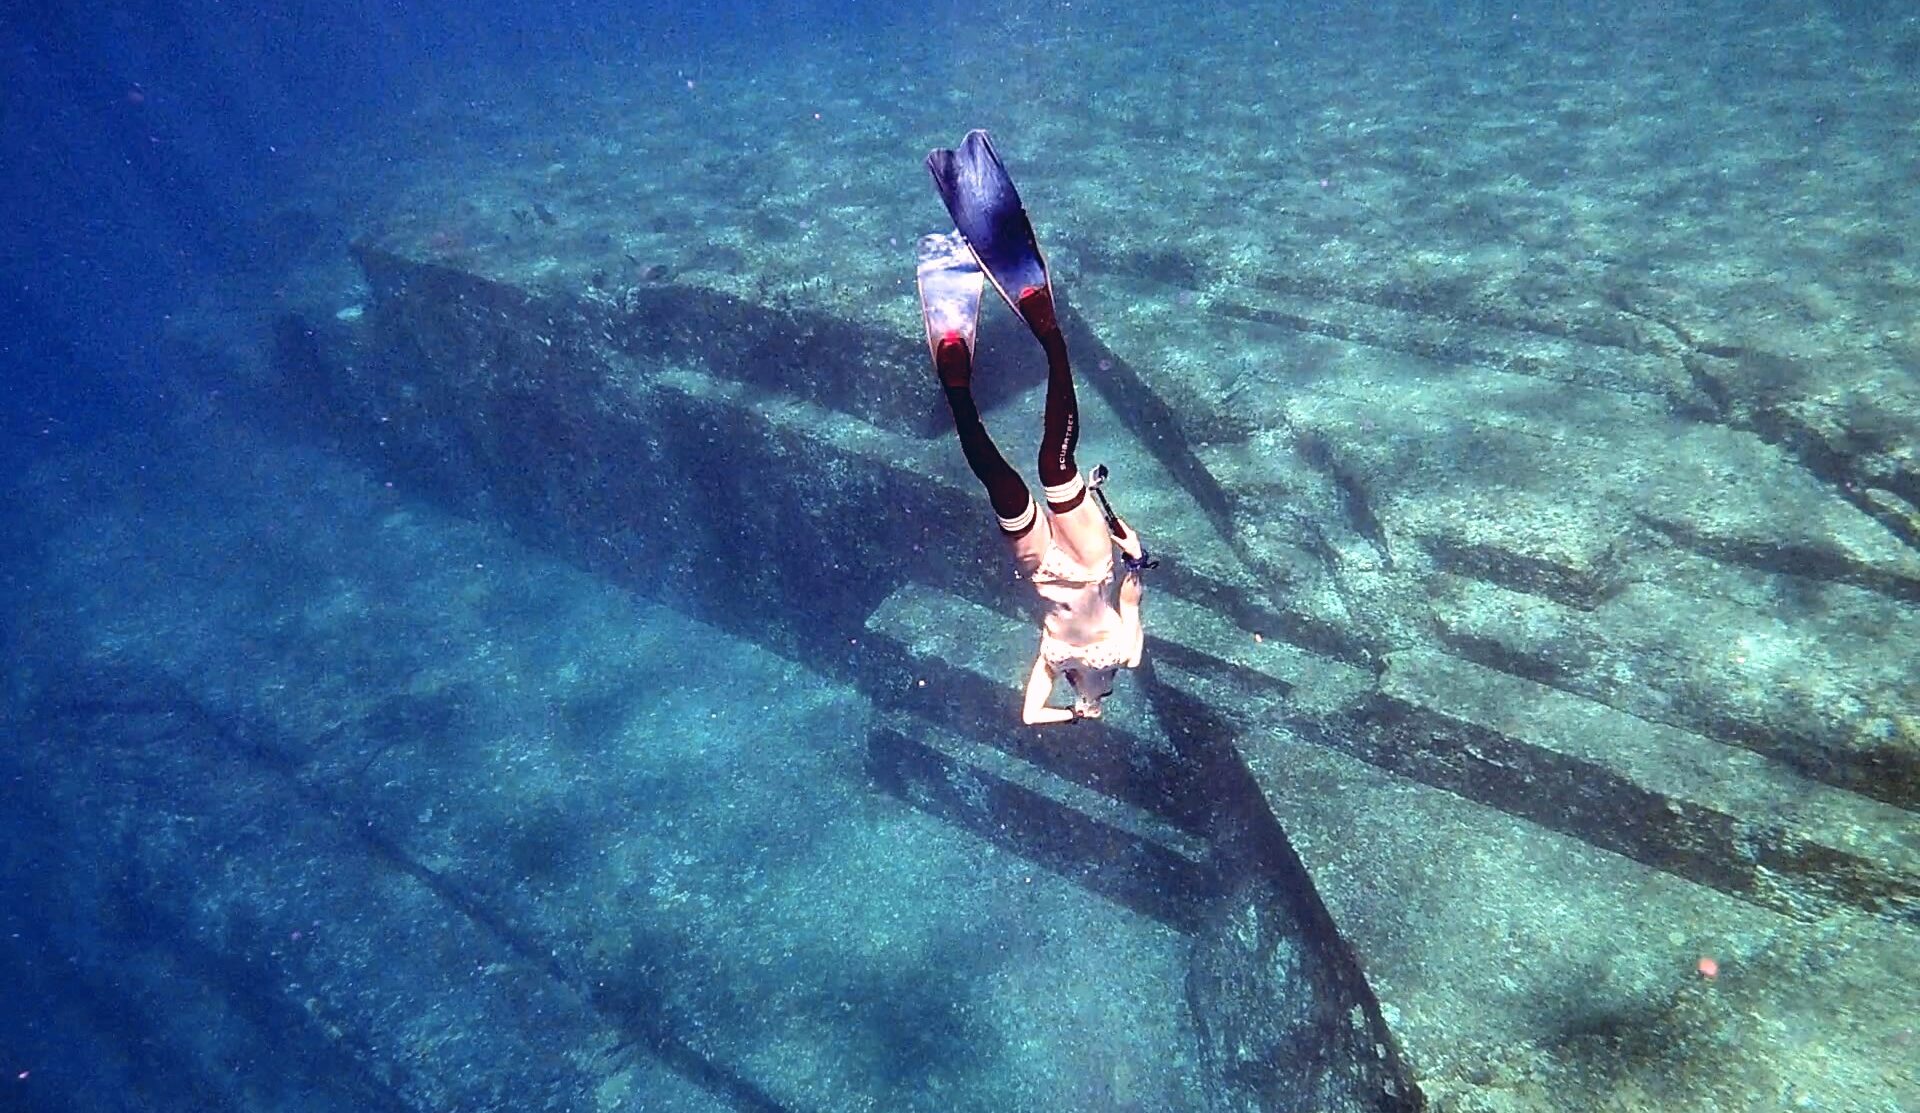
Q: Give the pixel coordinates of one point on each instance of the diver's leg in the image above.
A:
(1060, 432)
(1012, 504)
(992, 226)
(1077, 522)
(950, 283)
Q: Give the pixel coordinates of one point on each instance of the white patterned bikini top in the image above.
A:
(1058, 570)
(1079, 617)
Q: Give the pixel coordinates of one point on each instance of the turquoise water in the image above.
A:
(497, 619)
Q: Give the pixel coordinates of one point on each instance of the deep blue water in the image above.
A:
(146, 148)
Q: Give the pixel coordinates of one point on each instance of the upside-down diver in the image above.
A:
(1089, 629)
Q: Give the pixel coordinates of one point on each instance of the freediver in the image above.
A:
(1089, 628)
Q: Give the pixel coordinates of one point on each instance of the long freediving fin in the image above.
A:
(987, 213)
(950, 287)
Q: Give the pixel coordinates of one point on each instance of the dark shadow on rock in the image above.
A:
(1287, 1022)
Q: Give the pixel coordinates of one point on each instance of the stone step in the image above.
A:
(1119, 853)
(1365, 476)
(1353, 521)
(964, 663)
(1586, 921)
(1707, 812)
(1369, 838)
(317, 934)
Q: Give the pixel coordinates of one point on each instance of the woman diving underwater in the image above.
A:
(1089, 629)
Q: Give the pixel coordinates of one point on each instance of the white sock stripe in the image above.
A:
(1068, 491)
(1022, 521)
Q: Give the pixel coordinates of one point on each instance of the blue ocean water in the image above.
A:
(497, 618)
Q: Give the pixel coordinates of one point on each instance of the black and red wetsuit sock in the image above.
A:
(1060, 430)
(1005, 489)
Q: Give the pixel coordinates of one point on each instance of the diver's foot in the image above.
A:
(1035, 305)
(950, 283)
(953, 362)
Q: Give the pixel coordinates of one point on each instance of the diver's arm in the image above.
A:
(1131, 591)
(1039, 687)
(1127, 538)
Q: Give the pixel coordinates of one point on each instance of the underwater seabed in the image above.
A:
(342, 803)
(585, 678)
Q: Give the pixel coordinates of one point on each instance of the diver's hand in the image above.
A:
(1128, 539)
(1034, 710)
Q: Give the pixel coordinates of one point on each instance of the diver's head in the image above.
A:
(1090, 686)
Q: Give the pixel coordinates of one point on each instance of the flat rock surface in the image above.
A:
(1557, 329)
(499, 834)
(1535, 444)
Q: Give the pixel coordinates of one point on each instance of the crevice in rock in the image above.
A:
(1847, 475)
(1583, 590)
(1783, 558)
(1451, 352)
(1448, 348)
(1149, 418)
(1886, 772)
(1433, 305)
(1356, 503)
